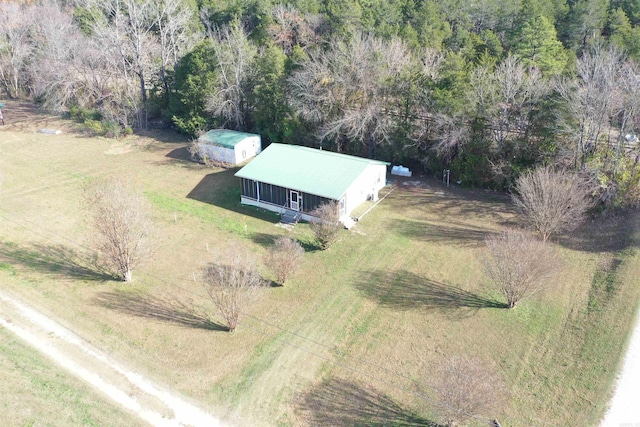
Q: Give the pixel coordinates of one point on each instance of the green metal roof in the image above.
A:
(312, 171)
(224, 137)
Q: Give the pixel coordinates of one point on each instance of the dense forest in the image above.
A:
(486, 88)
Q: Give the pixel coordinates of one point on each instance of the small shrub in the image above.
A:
(95, 127)
(194, 150)
(284, 258)
(518, 264)
(233, 284)
(111, 129)
(469, 387)
(326, 224)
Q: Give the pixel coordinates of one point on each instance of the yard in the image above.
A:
(358, 333)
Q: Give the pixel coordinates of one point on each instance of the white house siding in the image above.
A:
(246, 149)
(366, 186)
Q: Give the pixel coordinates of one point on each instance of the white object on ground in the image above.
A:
(400, 171)
(98, 369)
(50, 131)
(624, 406)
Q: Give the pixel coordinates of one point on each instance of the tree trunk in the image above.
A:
(127, 276)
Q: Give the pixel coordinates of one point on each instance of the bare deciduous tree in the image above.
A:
(124, 29)
(468, 388)
(291, 28)
(591, 100)
(349, 89)
(173, 27)
(552, 200)
(233, 285)
(120, 224)
(518, 264)
(16, 48)
(234, 55)
(326, 224)
(506, 97)
(284, 258)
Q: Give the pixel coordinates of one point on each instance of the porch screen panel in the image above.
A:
(311, 201)
(272, 194)
(249, 188)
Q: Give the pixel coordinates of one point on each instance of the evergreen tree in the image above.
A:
(537, 45)
(271, 112)
(194, 78)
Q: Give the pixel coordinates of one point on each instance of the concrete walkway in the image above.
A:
(624, 407)
(154, 404)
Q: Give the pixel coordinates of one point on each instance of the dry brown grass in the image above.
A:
(371, 317)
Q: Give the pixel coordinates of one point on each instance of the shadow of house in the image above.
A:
(222, 189)
(53, 259)
(337, 402)
(406, 291)
(161, 309)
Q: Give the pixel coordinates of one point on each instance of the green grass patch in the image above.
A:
(224, 220)
(8, 268)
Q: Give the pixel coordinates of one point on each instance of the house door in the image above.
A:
(294, 200)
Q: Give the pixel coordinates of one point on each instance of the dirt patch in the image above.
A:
(26, 117)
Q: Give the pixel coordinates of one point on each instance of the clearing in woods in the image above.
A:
(356, 335)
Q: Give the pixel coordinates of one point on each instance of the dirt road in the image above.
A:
(152, 403)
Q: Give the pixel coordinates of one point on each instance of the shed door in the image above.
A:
(294, 200)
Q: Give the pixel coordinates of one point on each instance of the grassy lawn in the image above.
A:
(357, 335)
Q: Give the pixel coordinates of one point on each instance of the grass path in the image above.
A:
(128, 389)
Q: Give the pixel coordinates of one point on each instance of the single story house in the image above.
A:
(294, 178)
(228, 146)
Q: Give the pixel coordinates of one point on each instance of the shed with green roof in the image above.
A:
(228, 147)
(294, 178)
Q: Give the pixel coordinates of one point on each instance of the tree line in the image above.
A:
(486, 89)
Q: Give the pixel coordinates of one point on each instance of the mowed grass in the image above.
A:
(35, 393)
(358, 334)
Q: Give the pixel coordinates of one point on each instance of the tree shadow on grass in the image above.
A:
(460, 235)
(453, 201)
(162, 309)
(337, 402)
(52, 259)
(405, 290)
(263, 239)
(612, 232)
(267, 240)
